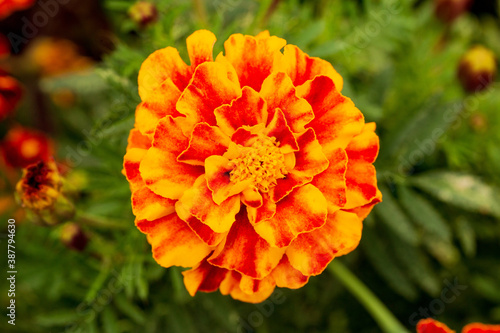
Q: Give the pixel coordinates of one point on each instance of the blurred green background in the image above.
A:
(437, 227)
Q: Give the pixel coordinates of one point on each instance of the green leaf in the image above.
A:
(109, 320)
(395, 218)
(424, 214)
(382, 260)
(461, 190)
(466, 236)
(130, 309)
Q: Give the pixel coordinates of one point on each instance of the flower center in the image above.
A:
(262, 163)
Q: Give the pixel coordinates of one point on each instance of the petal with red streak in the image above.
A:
(213, 85)
(363, 211)
(259, 257)
(200, 47)
(336, 120)
(301, 68)
(217, 173)
(173, 242)
(288, 277)
(279, 92)
(252, 57)
(249, 109)
(138, 140)
(310, 253)
(146, 205)
(205, 141)
(198, 202)
(481, 328)
(303, 210)
(264, 212)
(204, 277)
(430, 325)
(279, 129)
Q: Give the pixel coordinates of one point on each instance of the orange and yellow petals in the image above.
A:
(430, 325)
(217, 169)
(249, 109)
(252, 57)
(137, 140)
(197, 201)
(162, 65)
(131, 164)
(279, 92)
(173, 242)
(481, 328)
(361, 179)
(311, 252)
(251, 197)
(303, 210)
(264, 212)
(279, 129)
(146, 205)
(205, 141)
(336, 120)
(157, 105)
(332, 182)
(213, 85)
(301, 68)
(204, 277)
(309, 160)
(259, 257)
(200, 47)
(10, 95)
(22, 147)
(286, 276)
(252, 290)
(363, 211)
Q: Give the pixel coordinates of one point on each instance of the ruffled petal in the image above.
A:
(288, 277)
(279, 129)
(146, 205)
(213, 85)
(363, 211)
(161, 171)
(249, 110)
(217, 171)
(159, 104)
(336, 120)
(252, 290)
(173, 242)
(259, 257)
(310, 253)
(303, 210)
(430, 325)
(332, 182)
(279, 92)
(264, 212)
(131, 163)
(204, 277)
(252, 57)
(301, 68)
(205, 141)
(361, 178)
(137, 140)
(197, 201)
(200, 47)
(481, 328)
(210, 237)
(159, 66)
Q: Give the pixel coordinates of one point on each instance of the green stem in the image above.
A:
(384, 318)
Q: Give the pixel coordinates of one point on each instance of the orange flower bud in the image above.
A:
(10, 95)
(22, 147)
(477, 69)
(73, 237)
(143, 13)
(40, 192)
(449, 10)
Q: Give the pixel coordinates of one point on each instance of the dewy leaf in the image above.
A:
(382, 260)
(461, 190)
(395, 218)
(424, 214)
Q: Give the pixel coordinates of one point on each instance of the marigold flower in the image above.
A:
(40, 191)
(7, 7)
(252, 168)
(143, 13)
(10, 94)
(430, 325)
(477, 69)
(22, 147)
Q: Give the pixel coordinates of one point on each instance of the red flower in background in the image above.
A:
(10, 94)
(7, 7)
(22, 147)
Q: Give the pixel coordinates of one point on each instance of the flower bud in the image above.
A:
(73, 236)
(22, 147)
(40, 192)
(143, 13)
(477, 69)
(449, 10)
